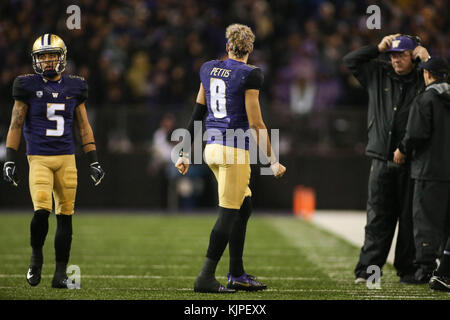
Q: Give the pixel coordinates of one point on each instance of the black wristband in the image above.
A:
(92, 156)
(11, 155)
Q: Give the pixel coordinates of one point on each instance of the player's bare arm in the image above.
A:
(18, 116)
(201, 96)
(256, 123)
(86, 133)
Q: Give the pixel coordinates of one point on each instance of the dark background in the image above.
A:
(141, 61)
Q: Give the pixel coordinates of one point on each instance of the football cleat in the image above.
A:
(245, 282)
(411, 279)
(441, 283)
(210, 285)
(61, 282)
(34, 275)
(419, 277)
(360, 280)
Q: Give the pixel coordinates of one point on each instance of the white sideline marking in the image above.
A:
(349, 225)
(289, 231)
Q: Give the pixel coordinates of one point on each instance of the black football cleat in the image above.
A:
(440, 283)
(61, 282)
(419, 277)
(34, 275)
(210, 285)
(245, 282)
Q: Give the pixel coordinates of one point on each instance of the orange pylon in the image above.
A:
(304, 201)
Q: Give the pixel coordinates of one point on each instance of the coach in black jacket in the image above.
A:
(391, 86)
(427, 142)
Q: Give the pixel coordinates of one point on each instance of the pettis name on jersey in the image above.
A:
(219, 72)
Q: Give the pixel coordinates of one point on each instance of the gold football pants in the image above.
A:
(53, 177)
(231, 167)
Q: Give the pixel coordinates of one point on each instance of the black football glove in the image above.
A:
(10, 173)
(97, 173)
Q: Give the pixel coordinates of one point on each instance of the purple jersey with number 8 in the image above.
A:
(225, 83)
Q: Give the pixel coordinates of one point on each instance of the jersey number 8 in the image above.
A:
(217, 89)
(51, 109)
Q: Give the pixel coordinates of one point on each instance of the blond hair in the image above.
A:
(240, 39)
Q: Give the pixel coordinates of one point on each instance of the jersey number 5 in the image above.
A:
(217, 89)
(51, 109)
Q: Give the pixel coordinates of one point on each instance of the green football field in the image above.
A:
(157, 257)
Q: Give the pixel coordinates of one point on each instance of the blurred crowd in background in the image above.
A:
(141, 60)
(148, 52)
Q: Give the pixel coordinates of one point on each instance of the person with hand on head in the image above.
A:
(391, 85)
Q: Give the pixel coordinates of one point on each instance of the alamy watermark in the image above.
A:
(374, 20)
(74, 277)
(235, 138)
(74, 20)
(374, 281)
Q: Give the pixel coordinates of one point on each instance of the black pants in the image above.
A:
(389, 201)
(431, 217)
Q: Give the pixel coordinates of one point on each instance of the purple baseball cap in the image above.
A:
(402, 43)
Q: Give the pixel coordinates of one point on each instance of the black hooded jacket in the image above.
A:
(427, 139)
(390, 97)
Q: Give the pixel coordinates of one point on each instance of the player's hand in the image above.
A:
(385, 44)
(399, 158)
(97, 173)
(278, 170)
(421, 53)
(182, 165)
(10, 173)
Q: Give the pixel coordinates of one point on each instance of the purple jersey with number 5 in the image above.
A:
(225, 83)
(50, 116)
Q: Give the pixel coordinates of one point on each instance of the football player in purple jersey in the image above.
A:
(229, 98)
(46, 105)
